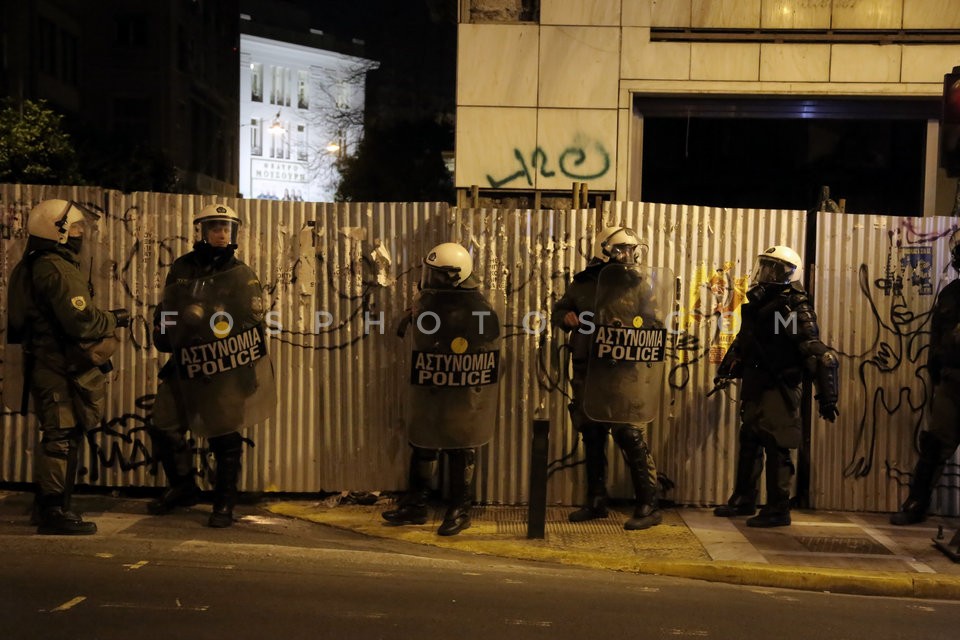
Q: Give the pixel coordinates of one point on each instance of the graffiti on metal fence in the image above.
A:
(898, 339)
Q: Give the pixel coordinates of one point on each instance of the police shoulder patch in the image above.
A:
(79, 303)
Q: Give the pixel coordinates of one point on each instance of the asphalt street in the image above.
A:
(270, 576)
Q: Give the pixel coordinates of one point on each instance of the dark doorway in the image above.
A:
(776, 154)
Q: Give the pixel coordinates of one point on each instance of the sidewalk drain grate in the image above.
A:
(829, 544)
(514, 522)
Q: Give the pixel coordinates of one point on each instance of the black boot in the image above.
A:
(737, 506)
(776, 513)
(925, 475)
(644, 517)
(412, 508)
(227, 451)
(55, 520)
(647, 513)
(595, 459)
(594, 509)
(743, 502)
(54, 514)
(770, 517)
(182, 493)
(173, 452)
(462, 469)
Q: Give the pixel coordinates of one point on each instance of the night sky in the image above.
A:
(415, 43)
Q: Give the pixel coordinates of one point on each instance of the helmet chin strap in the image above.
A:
(75, 243)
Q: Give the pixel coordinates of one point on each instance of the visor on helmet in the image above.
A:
(433, 277)
(219, 232)
(623, 253)
(772, 271)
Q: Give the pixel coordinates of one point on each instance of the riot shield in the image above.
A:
(16, 396)
(14, 386)
(454, 369)
(628, 351)
(223, 379)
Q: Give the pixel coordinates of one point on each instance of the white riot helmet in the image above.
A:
(446, 265)
(618, 244)
(215, 216)
(601, 237)
(778, 265)
(51, 219)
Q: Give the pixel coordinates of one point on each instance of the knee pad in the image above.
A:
(57, 443)
(230, 442)
(631, 442)
(933, 449)
(783, 459)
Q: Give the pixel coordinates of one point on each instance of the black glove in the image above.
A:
(719, 384)
(828, 409)
(122, 316)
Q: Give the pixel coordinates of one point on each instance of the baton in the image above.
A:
(720, 386)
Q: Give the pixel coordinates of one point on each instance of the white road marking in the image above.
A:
(69, 604)
(699, 633)
(528, 623)
(152, 607)
(920, 607)
(264, 520)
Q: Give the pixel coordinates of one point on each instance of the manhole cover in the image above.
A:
(842, 545)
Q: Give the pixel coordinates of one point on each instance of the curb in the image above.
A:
(847, 581)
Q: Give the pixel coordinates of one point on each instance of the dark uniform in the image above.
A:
(581, 297)
(220, 415)
(446, 418)
(50, 306)
(778, 344)
(939, 442)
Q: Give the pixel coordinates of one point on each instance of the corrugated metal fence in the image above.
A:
(338, 277)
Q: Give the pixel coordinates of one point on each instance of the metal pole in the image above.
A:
(537, 512)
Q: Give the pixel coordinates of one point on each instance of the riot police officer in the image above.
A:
(617, 247)
(219, 377)
(454, 378)
(777, 345)
(66, 341)
(940, 440)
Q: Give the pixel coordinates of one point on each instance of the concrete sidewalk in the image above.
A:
(839, 552)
